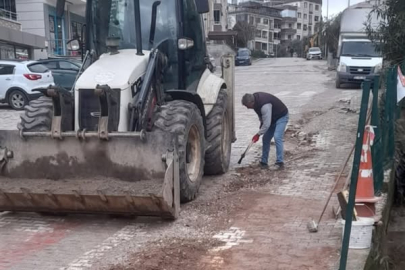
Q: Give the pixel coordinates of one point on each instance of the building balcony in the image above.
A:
(288, 31)
(8, 19)
(276, 30)
(289, 19)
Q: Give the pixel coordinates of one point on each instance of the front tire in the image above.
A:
(17, 99)
(338, 83)
(219, 137)
(184, 119)
(38, 115)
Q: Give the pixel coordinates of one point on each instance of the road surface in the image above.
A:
(246, 219)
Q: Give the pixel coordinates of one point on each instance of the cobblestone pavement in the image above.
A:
(268, 228)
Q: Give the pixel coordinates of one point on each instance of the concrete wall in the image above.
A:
(10, 24)
(31, 16)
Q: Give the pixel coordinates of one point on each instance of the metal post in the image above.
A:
(376, 149)
(354, 175)
(228, 74)
(327, 19)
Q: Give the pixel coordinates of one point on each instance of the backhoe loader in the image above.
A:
(145, 120)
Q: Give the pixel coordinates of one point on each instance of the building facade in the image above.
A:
(15, 43)
(266, 22)
(39, 17)
(217, 18)
(36, 31)
(309, 15)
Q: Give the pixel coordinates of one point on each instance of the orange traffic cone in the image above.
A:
(365, 199)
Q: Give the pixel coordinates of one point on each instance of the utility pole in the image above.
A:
(327, 19)
(348, 3)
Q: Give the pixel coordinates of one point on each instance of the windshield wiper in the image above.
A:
(365, 55)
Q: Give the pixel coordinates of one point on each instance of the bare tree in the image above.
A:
(246, 32)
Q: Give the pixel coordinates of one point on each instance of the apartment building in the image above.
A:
(289, 25)
(265, 20)
(31, 28)
(216, 21)
(15, 43)
(39, 17)
(309, 15)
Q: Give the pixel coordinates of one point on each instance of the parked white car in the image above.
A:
(19, 78)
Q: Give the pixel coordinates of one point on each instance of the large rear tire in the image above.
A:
(184, 119)
(219, 137)
(37, 115)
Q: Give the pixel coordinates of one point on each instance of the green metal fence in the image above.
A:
(384, 112)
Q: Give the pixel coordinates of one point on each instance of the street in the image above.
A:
(247, 219)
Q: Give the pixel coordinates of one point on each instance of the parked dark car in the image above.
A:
(64, 70)
(243, 57)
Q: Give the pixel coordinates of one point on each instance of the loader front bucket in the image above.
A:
(130, 173)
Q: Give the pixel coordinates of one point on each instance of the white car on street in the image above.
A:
(19, 78)
(314, 53)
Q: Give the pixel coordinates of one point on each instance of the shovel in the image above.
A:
(244, 153)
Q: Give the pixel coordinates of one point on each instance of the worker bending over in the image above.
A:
(273, 116)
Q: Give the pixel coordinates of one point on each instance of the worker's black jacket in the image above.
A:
(279, 109)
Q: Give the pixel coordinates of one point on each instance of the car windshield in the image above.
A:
(116, 18)
(243, 53)
(314, 50)
(359, 49)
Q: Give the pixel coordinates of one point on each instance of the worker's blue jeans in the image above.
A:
(276, 130)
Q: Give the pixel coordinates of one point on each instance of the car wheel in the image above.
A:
(338, 83)
(17, 99)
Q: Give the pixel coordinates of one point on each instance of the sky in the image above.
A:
(335, 6)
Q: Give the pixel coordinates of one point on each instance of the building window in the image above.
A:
(270, 37)
(305, 5)
(299, 15)
(316, 7)
(258, 33)
(8, 9)
(275, 36)
(310, 29)
(258, 20)
(265, 21)
(264, 46)
(271, 24)
(311, 7)
(298, 26)
(298, 37)
(305, 27)
(289, 37)
(264, 34)
(217, 16)
(77, 30)
(290, 25)
(317, 18)
(305, 16)
(310, 19)
(250, 20)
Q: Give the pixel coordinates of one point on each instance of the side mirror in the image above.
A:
(185, 43)
(202, 6)
(73, 45)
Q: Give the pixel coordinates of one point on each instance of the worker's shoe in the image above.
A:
(279, 165)
(263, 165)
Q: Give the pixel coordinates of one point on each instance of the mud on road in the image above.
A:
(222, 199)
